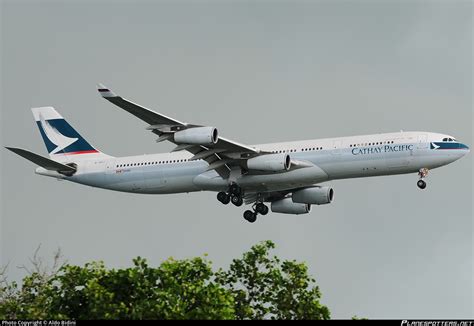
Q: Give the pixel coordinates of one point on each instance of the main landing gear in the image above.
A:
(423, 173)
(258, 208)
(234, 195)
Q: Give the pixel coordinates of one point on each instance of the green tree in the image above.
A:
(264, 287)
(255, 287)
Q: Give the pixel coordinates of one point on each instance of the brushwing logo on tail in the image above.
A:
(55, 136)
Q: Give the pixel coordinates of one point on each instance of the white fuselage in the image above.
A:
(328, 159)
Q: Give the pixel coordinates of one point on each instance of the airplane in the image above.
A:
(286, 175)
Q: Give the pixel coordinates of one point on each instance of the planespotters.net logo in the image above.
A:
(437, 323)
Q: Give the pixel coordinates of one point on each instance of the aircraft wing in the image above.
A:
(220, 156)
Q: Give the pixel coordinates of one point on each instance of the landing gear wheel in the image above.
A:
(237, 200)
(234, 189)
(223, 197)
(250, 216)
(421, 184)
(261, 208)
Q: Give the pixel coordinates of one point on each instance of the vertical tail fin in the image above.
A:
(60, 138)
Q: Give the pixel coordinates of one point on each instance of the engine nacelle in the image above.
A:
(287, 206)
(270, 162)
(313, 195)
(197, 136)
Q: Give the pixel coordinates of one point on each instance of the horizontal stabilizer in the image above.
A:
(104, 91)
(44, 162)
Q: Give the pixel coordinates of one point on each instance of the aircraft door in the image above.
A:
(422, 141)
(113, 175)
(109, 169)
(337, 147)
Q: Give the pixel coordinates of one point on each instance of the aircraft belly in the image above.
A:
(281, 181)
(129, 180)
(174, 180)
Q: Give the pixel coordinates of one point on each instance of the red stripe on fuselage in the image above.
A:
(81, 152)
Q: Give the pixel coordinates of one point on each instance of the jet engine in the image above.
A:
(314, 195)
(270, 162)
(287, 206)
(197, 136)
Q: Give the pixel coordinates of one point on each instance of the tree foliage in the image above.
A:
(256, 286)
(264, 287)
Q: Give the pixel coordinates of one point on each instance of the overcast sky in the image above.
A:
(260, 71)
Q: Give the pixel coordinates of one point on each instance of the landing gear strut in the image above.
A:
(235, 190)
(423, 173)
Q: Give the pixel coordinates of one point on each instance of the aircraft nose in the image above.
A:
(465, 148)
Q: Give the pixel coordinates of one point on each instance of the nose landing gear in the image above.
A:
(421, 184)
(423, 173)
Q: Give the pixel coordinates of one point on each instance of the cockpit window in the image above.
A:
(449, 139)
